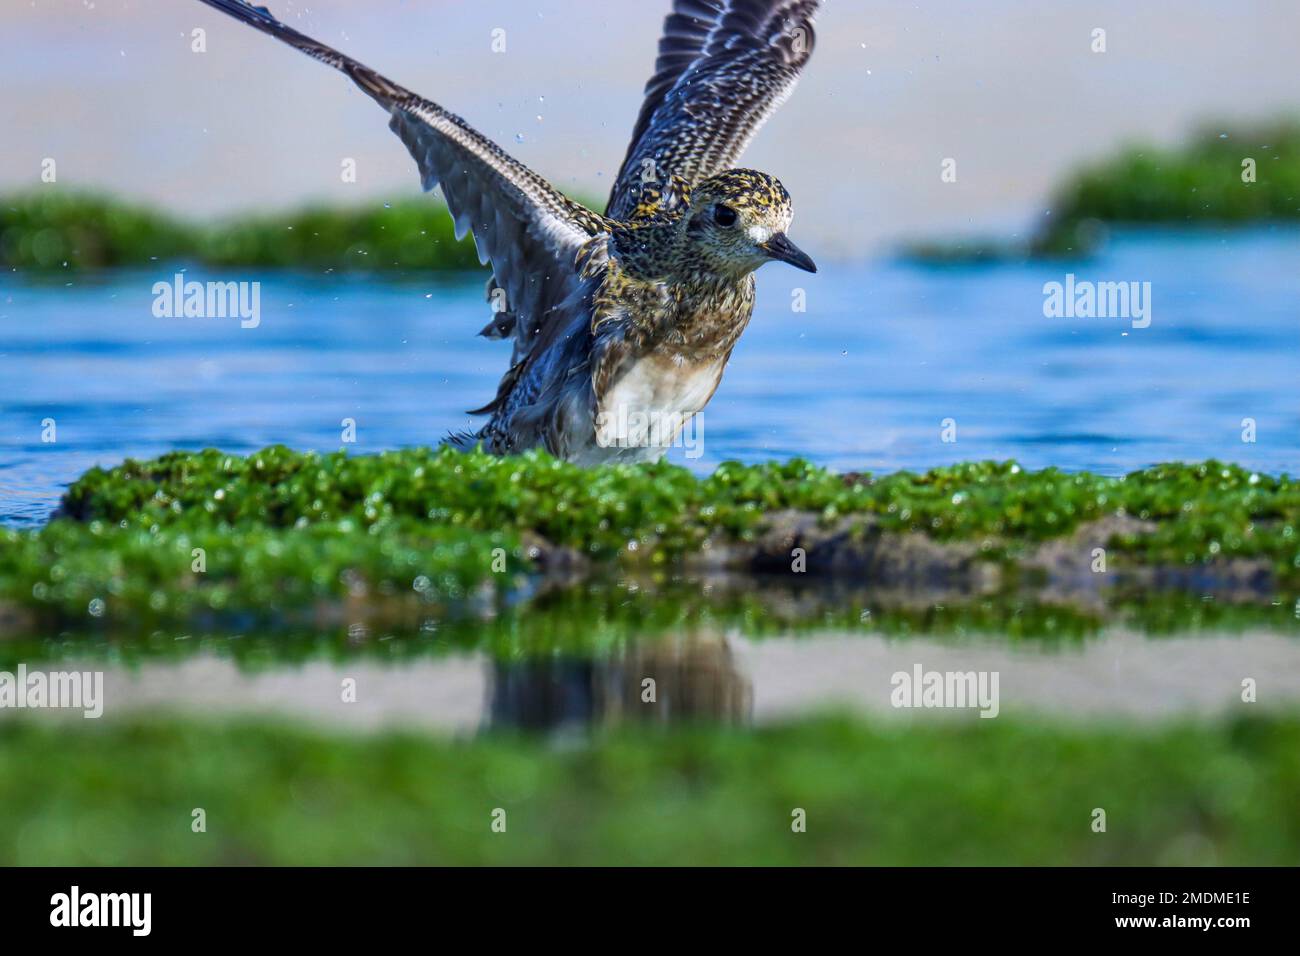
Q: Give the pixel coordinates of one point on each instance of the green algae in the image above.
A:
(202, 567)
(1202, 511)
(96, 569)
(282, 530)
(978, 792)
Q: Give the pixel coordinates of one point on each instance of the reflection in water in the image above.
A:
(692, 678)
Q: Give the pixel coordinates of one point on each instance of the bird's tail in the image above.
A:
(380, 88)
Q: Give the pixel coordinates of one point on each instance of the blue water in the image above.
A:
(862, 380)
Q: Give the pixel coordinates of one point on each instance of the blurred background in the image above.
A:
(1011, 90)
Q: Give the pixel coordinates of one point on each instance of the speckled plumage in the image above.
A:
(627, 318)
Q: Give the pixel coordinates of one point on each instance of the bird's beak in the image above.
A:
(780, 247)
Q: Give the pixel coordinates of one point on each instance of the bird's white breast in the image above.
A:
(652, 400)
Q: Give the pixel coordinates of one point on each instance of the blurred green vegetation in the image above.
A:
(55, 229)
(975, 792)
(287, 529)
(1197, 183)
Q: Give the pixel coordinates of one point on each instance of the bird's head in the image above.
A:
(737, 221)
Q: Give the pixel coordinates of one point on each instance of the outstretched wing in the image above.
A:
(527, 229)
(723, 67)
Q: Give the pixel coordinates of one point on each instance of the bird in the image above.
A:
(621, 323)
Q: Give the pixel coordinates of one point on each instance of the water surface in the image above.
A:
(863, 379)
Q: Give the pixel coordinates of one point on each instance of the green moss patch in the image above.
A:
(283, 529)
(104, 571)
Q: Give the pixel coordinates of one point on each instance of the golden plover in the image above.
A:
(621, 323)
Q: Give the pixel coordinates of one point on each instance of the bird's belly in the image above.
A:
(651, 403)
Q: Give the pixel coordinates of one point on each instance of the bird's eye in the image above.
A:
(724, 215)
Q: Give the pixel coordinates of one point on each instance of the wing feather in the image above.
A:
(724, 66)
(529, 231)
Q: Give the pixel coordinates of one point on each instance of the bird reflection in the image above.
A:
(683, 679)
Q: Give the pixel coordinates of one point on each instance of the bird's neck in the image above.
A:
(648, 250)
(660, 250)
